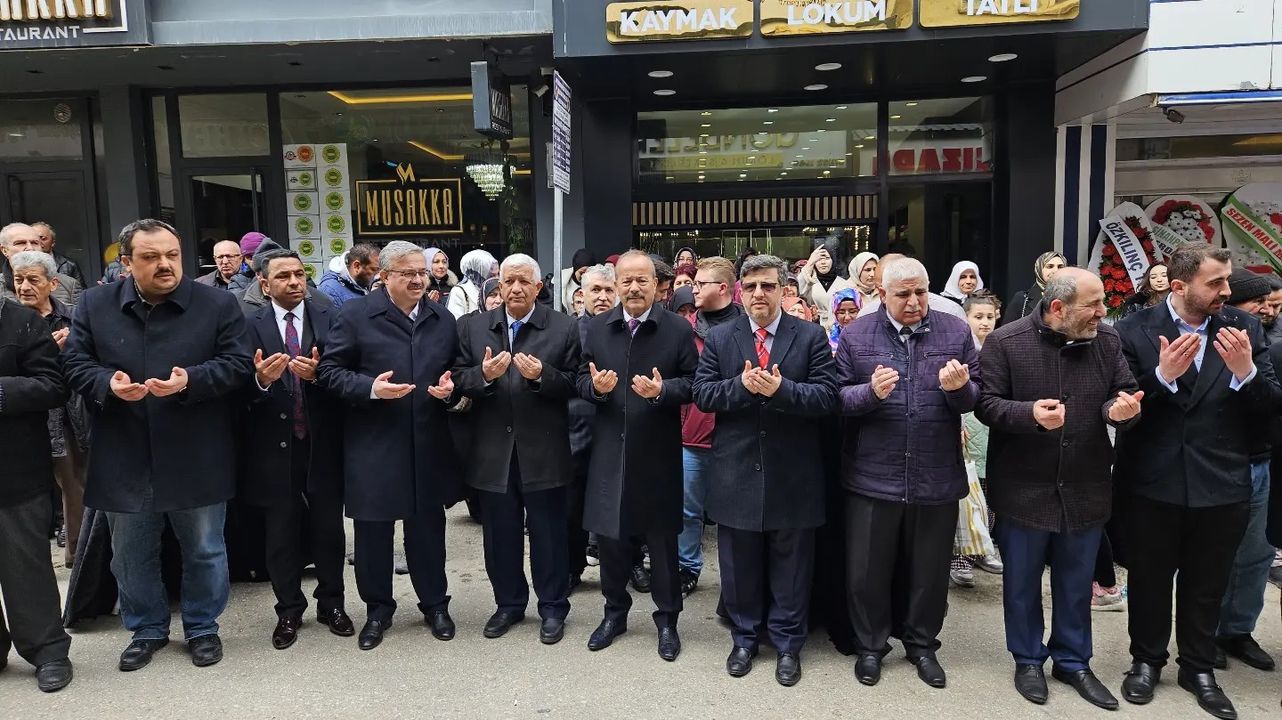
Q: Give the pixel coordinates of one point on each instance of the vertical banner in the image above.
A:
(560, 133)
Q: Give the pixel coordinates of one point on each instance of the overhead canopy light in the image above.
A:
(1002, 57)
(659, 74)
(816, 87)
(665, 92)
(828, 66)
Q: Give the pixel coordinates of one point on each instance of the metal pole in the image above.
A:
(558, 200)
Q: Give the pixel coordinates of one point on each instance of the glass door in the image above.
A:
(57, 198)
(221, 204)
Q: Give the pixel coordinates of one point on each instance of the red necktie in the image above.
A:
(763, 355)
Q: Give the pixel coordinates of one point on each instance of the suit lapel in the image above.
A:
(269, 331)
(787, 332)
(1212, 364)
(743, 338)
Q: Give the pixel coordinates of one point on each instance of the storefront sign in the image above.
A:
(28, 24)
(962, 13)
(491, 101)
(678, 20)
(811, 17)
(407, 205)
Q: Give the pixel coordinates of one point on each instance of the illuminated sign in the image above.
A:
(407, 205)
(683, 20)
(811, 17)
(962, 13)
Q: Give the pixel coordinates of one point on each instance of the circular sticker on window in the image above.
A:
(305, 179)
(306, 153)
(337, 246)
(333, 177)
(336, 223)
(306, 247)
(304, 225)
(335, 201)
(302, 202)
(310, 270)
(331, 154)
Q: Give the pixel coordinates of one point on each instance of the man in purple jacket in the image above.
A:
(908, 376)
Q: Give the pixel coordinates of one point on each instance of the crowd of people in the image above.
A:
(847, 432)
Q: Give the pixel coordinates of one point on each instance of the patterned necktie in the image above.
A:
(292, 347)
(633, 324)
(516, 328)
(763, 355)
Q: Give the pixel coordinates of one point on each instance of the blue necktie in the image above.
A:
(516, 328)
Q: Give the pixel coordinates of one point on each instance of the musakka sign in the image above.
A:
(407, 205)
(72, 23)
(690, 20)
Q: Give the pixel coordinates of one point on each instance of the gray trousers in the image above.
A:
(32, 618)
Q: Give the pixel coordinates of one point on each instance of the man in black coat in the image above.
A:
(293, 455)
(389, 360)
(519, 363)
(30, 386)
(638, 362)
(1183, 471)
(161, 360)
(771, 380)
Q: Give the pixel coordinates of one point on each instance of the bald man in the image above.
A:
(20, 237)
(938, 303)
(227, 259)
(1053, 383)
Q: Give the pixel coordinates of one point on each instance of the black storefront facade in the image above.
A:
(298, 120)
(726, 124)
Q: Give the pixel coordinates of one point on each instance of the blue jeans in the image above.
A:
(694, 462)
(1025, 553)
(135, 547)
(1244, 599)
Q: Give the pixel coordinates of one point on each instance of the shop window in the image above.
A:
(232, 125)
(164, 173)
(933, 137)
(388, 132)
(1206, 146)
(814, 142)
(36, 130)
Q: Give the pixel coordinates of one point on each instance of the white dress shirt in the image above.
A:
(771, 330)
(1202, 332)
(280, 327)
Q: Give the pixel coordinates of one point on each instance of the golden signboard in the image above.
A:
(408, 205)
(816, 17)
(54, 10)
(654, 21)
(961, 13)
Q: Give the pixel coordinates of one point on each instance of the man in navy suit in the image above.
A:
(771, 380)
(293, 448)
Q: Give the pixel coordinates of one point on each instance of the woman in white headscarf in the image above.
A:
(440, 279)
(963, 281)
(863, 270)
(477, 266)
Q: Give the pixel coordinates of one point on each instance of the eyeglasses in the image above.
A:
(766, 287)
(226, 257)
(408, 274)
(700, 283)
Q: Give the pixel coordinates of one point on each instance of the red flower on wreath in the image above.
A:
(1112, 271)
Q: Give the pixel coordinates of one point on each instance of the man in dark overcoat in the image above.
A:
(519, 365)
(389, 360)
(771, 380)
(161, 360)
(293, 455)
(638, 363)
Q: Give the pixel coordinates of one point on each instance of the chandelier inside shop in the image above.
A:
(486, 166)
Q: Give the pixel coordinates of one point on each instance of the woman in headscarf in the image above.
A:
(682, 302)
(818, 282)
(798, 308)
(1153, 290)
(477, 266)
(685, 276)
(440, 279)
(863, 269)
(685, 256)
(963, 281)
(1023, 302)
(492, 297)
(845, 308)
(572, 277)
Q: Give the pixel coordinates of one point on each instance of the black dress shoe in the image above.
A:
(1141, 680)
(868, 669)
(551, 631)
(442, 624)
(740, 661)
(640, 579)
(372, 634)
(669, 643)
(54, 675)
(1246, 649)
(205, 650)
(605, 634)
(930, 671)
(337, 622)
(500, 622)
(788, 669)
(286, 632)
(1209, 695)
(1088, 686)
(1030, 681)
(138, 655)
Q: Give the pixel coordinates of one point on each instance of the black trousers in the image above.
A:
(32, 617)
(308, 525)
(576, 536)
(765, 580)
(665, 581)
(897, 557)
(505, 517)
(1197, 543)
(424, 553)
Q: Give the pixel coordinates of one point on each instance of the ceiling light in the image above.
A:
(830, 119)
(860, 145)
(827, 172)
(841, 107)
(850, 154)
(896, 117)
(783, 172)
(974, 78)
(665, 92)
(700, 177)
(660, 73)
(16, 135)
(772, 110)
(1002, 57)
(805, 148)
(828, 66)
(706, 125)
(800, 156)
(752, 157)
(743, 175)
(912, 103)
(703, 152)
(820, 130)
(669, 177)
(380, 99)
(816, 87)
(706, 113)
(768, 122)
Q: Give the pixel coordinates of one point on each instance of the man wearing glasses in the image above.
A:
(771, 380)
(227, 259)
